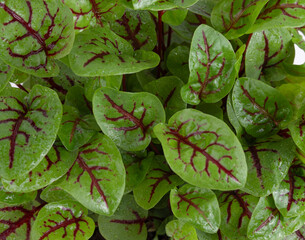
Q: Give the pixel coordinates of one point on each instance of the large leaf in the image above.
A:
(43, 28)
(128, 222)
(260, 109)
(100, 52)
(180, 230)
(289, 197)
(63, 220)
(157, 5)
(158, 181)
(126, 118)
(74, 131)
(203, 151)
(281, 13)
(13, 198)
(97, 177)
(211, 64)
(135, 27)
(16, 221)
(268, 164)
(235, 17)
(267, 49)
(29, 125)
(167, 89)
(236, 210)
(54, 165)
(198, 206)
(6, 73)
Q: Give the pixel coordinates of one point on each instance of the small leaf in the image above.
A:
(197, 206)
(135, 27)
(53, 166)
(128, 222)
(13, 198)
(266, 50)
(297, 129)
(159, 180)
(100, 52)
(29, 126)
(6, 73)
(236, 210)
(126, 118)
(235, 17)
(77, 99)
(74, 131)
(268, 164)
(203, 151)
(261, 110)
(63, 220)
(54, 194)
(157, 5)
(47, 34)
(97, 177)
(211, 63)
(180, 230)
(16, 221)
(167, 89)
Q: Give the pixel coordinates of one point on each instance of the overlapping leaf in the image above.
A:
(6, 73)
(76, 98)
(267, 49)
(167, 89)
(54, 194)
(29, 126)
(44, 27)
(127, 223)
(157, 5)
(268, 164)
(260, 109)
(203, 151)
(281, 13)
(126, 118)
(180, 230)
(197, 206)
(297, 129)
(16, 221)
(100, 52)
(54, 165)
(97, 177)
(13, 198)
(63, 220)
(136, 28)
(235, 17)
(159, 180)
(236, 210)
(211, 64)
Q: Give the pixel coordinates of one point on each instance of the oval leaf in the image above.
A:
(126, 118)
(15, 198)
(211, 64)
(203, 151)
(29, 125)
(180, 230)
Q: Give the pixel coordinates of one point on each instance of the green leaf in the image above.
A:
(157, 5)
(53, 166)
(135, 27)
(76, 98)
(97, 177)
(63, 220)
(15, 198)
(100, 52)
(29, 125)
(235, 17)
(297, 129)
(16, 220)
(280, 13)
(261, 110)
(45, 28)
(289, 197)
(167, 89)
(128, 222)
(204, 7)
(54, 194)
(74, 131)
(197, 206)
(126, 118)
(213, 109)
(159, 180)
(203, 151)
(136, 165)
(211, 64)
(236, 210)
(6, 73)
(266, 50)
(268, 163)
(180, 230)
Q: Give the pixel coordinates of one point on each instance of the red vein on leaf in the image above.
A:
(165, 177)
(273, 214)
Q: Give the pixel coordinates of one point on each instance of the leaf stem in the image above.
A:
(160, 40)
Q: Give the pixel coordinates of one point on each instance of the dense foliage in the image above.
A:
(152, 119)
